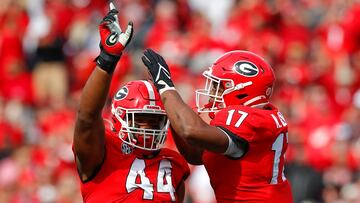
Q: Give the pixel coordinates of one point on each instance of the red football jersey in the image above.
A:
(125, 178)
(258, 176)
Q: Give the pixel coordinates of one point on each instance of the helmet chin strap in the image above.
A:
(212, 115)
(144, 154)
(209, 105)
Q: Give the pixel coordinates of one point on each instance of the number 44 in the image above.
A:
(138, 169)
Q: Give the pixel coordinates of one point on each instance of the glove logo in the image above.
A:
(162, 69)
(163, 83)
(112, 39)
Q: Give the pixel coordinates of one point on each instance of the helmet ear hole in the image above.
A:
(241, 96)
(269, 91)
(262, 69)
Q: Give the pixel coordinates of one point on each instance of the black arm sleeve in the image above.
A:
(241, 143)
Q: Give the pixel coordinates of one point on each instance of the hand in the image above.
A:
(113, 40)
(159, 70)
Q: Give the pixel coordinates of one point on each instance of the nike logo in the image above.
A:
(161, 82)
(162, 69)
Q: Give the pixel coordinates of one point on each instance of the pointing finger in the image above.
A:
(112, 6)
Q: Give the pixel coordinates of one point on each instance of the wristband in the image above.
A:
(107, 62)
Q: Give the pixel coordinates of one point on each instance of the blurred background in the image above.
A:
(47, 48)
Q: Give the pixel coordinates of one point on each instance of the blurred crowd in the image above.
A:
(47, 48)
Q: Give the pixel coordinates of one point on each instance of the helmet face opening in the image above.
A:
(147, 120)
(210, 99)
(139, 118)
(144, 130)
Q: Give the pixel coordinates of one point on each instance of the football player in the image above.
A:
(243, 146)
(124, 163)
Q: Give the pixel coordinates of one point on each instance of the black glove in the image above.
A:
(113, 40)
(158, 70)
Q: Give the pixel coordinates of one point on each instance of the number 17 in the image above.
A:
(241, 119)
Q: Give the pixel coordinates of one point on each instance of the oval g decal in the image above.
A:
(246, 68)
(112, 39)
(121, 94)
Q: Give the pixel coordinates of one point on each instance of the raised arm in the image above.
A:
(192, 154)
(185, 122)
(89, 134)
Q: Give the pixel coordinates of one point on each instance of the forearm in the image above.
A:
(89, 142)
(188, 125)
(94, 94)
(179, 114)
(193, 155)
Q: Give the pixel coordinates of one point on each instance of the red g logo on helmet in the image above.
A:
(121, 94)
(246, 68)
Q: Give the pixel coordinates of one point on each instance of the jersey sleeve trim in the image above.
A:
(238, 146)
